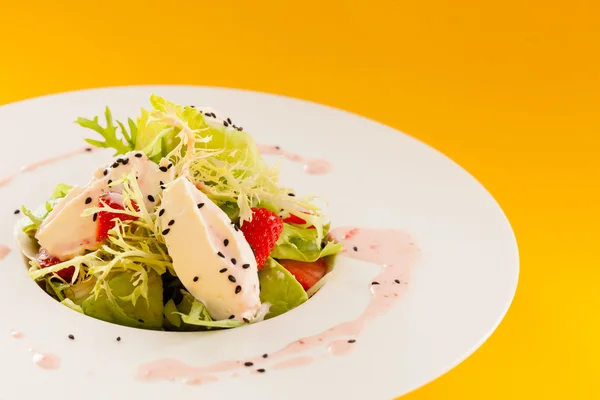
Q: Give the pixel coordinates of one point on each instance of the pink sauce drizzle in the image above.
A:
(47, 161)
(46, 360)
(4, 251)
(393, 250)
(311, 166)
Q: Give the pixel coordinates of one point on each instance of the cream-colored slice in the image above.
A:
(211, 257)
(65, 233)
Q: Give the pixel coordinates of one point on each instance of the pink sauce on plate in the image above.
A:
(4, 251)
(47, 161)
(46, 360)
(16, 334)
(311, 166)
(393, 250)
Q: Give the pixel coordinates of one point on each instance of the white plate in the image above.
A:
(461, 289)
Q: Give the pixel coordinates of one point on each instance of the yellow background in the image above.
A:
(511, 91)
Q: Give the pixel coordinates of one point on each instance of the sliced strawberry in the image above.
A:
(105, 218)
(307, 273)
(262, 233)
(46, 260)
(296, 220)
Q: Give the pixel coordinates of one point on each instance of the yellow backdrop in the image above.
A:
(510, 90)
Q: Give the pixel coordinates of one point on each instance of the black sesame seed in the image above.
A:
(238, 289)
(118, 338)
(200, 205)
(223, 270)
(236, 227)
(323, 244)
(163, 169)
(248, 364)
(374, 283)
(231, 316)
(246, 266)
(161, 183)
(277, 148)
(139, 155)
(169, 166)
(246, 320)
(220, 254)
(105, 172)
(233, 126)
(260, 370)
(115, 165)
(71, 337)
(17, 211)
(141, 321)
(171, 222)
(88, 200)
(291, 194)
(352, 341)
(125, 161)
(231, 278)
(166, 231)
(225, 242)
(355, 248)
(163, 187)
(225, 123)
(119, 160)
(88, 149)
(151, 198)
(192, 106)
(240, 128)
(265, 355)
(397, 280)
(195, 279)
(233, 261)
(229, 120)
(95, 217)
(161, 212)
(109, 181)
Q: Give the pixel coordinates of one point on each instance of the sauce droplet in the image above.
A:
(46, 360)
(4, 251)
(311, 166)
(16, 334)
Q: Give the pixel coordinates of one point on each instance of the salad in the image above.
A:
(185, 229)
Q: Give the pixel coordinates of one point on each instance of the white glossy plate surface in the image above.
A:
(460, 290)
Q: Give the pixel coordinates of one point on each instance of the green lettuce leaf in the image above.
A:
(109, 305)
(280, 289)
(191, 315)
(37, 216)
(122, 144)
(302, 244)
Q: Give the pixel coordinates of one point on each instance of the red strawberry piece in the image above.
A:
(106, 219)
(46, 260)
(262, 233)
(296, 220)
(307, 273)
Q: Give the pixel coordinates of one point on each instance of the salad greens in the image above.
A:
(130, 279)
(280, 289)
